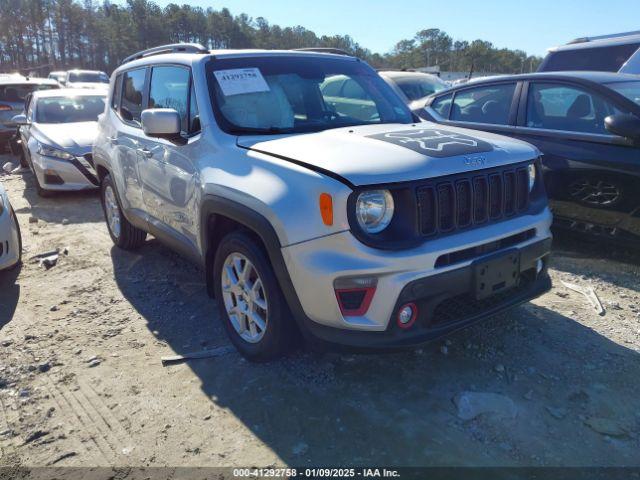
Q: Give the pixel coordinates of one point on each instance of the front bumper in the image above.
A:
(415, 275)
(62, 175)
(445, 305)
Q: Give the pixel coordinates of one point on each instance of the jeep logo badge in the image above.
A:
(437, 143)
(475, 161)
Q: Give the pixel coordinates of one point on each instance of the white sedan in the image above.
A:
(57, 134)
(10, 239)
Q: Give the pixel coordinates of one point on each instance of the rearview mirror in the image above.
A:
(20, 120)
(623, 124)
(161, 123)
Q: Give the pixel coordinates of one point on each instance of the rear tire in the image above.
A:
(123, 234)
(252, 306)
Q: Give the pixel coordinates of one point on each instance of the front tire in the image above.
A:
(253, 309)
(122, 233)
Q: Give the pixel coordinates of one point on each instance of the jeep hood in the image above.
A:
(375, 154)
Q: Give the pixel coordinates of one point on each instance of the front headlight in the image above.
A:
(48, 151)
(374, 210)
(532, 176)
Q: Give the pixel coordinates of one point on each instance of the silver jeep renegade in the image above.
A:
(318, 208)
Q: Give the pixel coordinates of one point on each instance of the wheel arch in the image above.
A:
(220, 216)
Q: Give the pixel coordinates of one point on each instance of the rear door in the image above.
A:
(591, 175)
(126, 139)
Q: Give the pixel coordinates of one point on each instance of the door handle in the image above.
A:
(146, 152)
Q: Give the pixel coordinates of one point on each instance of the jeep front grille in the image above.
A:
(464, 200)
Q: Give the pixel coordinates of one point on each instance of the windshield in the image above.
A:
(89, 77)
(419, 87)
(69, 109)
(631, 90)
(299, 94)
(18, 92)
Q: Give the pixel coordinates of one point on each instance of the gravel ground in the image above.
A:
(82, 384)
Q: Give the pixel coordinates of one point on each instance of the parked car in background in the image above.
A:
(57, 132)
(10, 239)
(86, 79)
(586, 124)
(607, 53)
(412, 85)
(59, 76)
(13, 91)
(313, 200)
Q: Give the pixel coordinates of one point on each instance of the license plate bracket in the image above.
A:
(496, 274)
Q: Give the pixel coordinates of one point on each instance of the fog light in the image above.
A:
(407, 315)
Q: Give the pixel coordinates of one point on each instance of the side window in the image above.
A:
(563, 107)
(117, 92)
(169, 88)
(194, 115)
(132, 95)
(442, 105)
(486, 104)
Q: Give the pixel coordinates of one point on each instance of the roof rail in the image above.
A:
(335, 51)
(171, 48)
(603, 37)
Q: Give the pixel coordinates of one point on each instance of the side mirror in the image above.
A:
(161, 123)
(20, 120)
(623, 124)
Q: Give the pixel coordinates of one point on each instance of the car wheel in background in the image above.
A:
(123, 233)
(42, 192)
(254, 312)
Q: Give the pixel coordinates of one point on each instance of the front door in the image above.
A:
(167, 168)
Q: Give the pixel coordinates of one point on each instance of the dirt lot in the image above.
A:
(81, 382)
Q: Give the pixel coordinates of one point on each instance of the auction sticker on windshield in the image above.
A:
(241, 80)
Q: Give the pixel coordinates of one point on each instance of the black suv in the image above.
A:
(619, 52)
(587, 125)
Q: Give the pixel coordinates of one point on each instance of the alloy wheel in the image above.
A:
(595, 192)
(112, 211)
(244, 297)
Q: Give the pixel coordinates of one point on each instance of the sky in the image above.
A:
(532, 26)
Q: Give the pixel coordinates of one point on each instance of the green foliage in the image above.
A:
(52, 34)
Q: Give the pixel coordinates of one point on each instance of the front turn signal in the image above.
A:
(326, 208)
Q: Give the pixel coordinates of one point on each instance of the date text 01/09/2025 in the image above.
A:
(288, 473)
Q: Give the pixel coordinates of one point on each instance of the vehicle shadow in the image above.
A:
(397, 409)
(9, 294)
(74, 207)
(575, 245)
